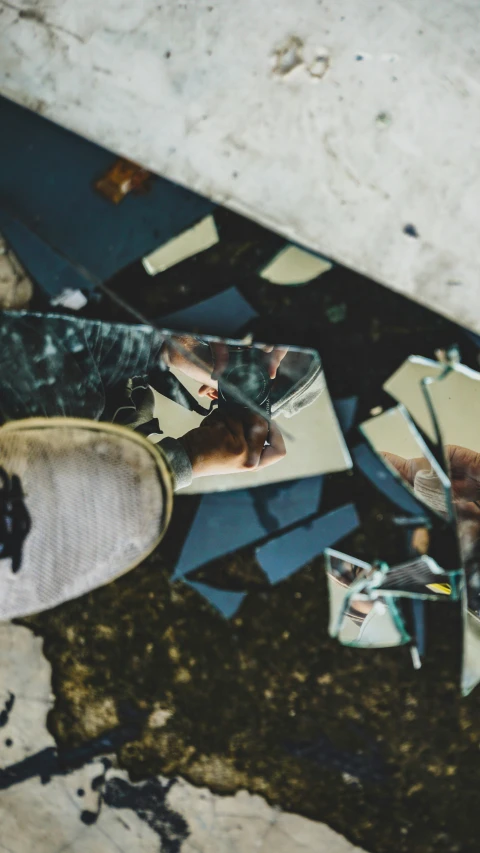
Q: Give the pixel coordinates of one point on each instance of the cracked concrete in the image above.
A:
(81, 811)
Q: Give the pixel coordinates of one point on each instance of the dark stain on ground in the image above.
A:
(148, 801)
(32, 15)
(269, 702)
(59, 762)
(410, 231)
(5, 713)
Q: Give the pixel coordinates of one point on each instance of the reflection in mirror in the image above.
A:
(395, 438)
(293, 425)
(455, 399)
(358, 618)
(226, 414)
(420, 577)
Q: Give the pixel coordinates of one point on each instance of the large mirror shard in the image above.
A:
(405, 386)
(394, 437)
(229, 414)
(455, 400)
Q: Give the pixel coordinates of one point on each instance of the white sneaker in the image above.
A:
(81, 503)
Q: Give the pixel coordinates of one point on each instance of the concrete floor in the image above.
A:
(91, 809)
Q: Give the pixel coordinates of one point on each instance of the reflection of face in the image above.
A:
(176, 358)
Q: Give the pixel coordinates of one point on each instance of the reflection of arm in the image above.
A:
(179, 462)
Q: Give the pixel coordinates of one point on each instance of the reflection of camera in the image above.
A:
(246, 372)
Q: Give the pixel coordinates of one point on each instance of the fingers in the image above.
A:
(407, 468)
(464, 472)
(276, 450)
(276, 357)
(256, 431)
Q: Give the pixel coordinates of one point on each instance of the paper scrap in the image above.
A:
(202, 236)
(295, 266)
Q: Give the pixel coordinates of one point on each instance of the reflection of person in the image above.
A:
(240, 439)
(298, 375)
(226, 442)
(105, 371)
(365, 623)
(464, 473)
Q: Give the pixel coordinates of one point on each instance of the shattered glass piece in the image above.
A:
(471, 651)
(420, 577)
(394, 437)
(102, 237)
(226, 522)
(295, 266)
(282, 556)
(223, 600)
(355, 618)
(382, 478)
(345, 410)
(455, 399)
(199, 238)
(405, 385)
(282, 383)
(223, 314)
(419, 629)
(51, 272)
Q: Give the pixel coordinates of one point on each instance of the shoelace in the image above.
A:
(15, 521)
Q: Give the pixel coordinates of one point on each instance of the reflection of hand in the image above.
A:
(275, 357)
(463, 470)
(224, 444)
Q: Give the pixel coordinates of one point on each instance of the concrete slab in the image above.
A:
(351, 130)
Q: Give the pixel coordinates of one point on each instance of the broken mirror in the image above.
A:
(227, 414)
(394, 437)
(455, 401)
(360, 616)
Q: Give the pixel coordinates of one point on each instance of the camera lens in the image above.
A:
(250, 380)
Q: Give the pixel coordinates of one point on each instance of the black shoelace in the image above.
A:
(15, 520)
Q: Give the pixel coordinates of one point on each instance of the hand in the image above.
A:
(463, 470)
(276, 356)
(226, 444)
